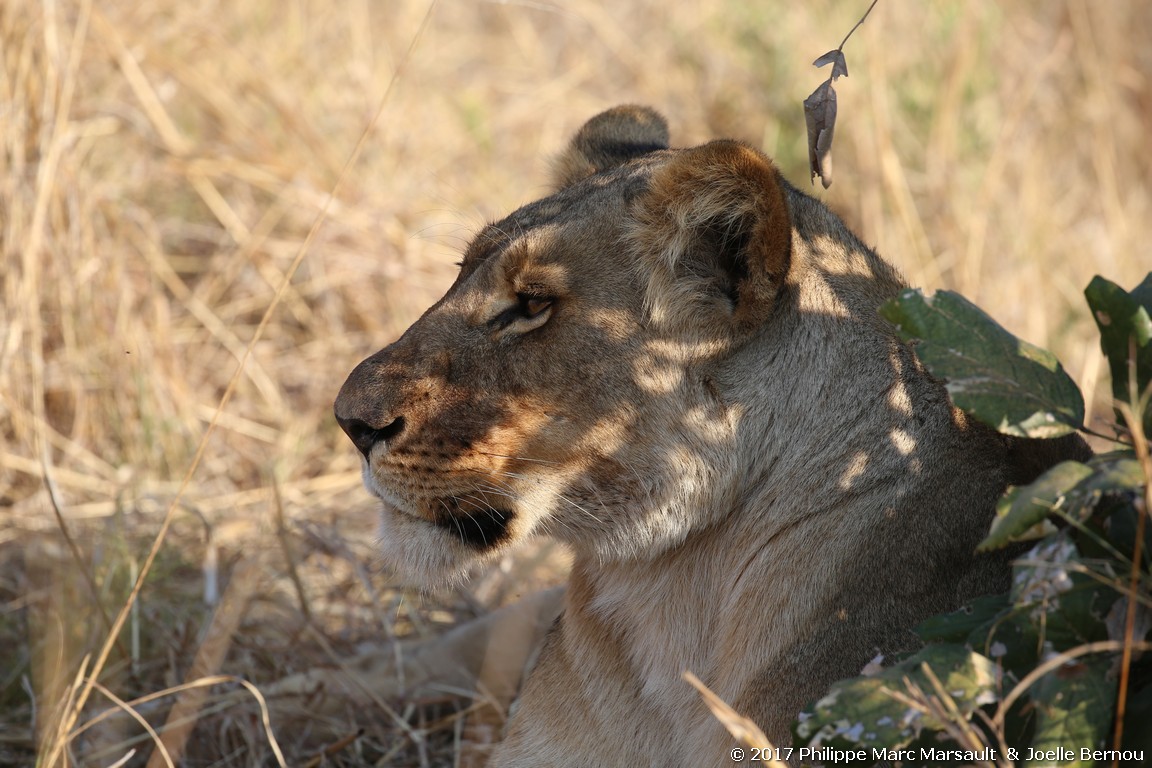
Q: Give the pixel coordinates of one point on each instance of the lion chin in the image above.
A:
(423, 553)
(419, 554)
(674, 364)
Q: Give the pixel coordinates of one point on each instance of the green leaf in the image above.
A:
(992, 626)
(1001, 380)
(1074, 707)
(1077, 616)
(1072, 487)
(863, 712)
(1012, 640)
(1115, 472)
(1066, 604)
(957, 626)
(1021, 509)
(1120, 524)
(1125, 327)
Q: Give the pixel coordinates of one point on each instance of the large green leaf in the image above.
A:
(1012, 640)
(1070, 486)
(1074, 707)
(957, 626)
(863, 712)
(1003, 381)
(1125, 323)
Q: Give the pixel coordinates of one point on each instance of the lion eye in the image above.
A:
(531, 306)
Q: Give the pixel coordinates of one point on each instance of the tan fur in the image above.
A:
(675, 365)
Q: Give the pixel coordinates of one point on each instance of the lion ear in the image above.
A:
(610, 139)
(716, 222)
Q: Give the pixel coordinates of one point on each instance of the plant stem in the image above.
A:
(1135, 419)
(1110, 438)
(841, 46)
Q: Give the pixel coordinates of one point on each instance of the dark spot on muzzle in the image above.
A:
(480, 529)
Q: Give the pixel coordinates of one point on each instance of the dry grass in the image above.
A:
(162, 165)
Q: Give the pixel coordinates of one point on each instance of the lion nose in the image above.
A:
(366, 408)
(365, 436)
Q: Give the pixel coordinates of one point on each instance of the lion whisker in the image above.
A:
(518, 458)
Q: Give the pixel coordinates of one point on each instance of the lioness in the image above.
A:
(675, 364)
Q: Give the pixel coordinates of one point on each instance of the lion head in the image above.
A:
(602, 367)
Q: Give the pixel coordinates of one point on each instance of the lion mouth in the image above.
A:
(482, 528)
(474, 522)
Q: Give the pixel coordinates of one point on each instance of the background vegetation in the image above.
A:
(162, 165)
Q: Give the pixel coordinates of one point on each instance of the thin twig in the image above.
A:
(1134, 417)
(1100, 646)
(841, 46)
(337, 746)
(286, 548)
(959, 725)
(1110, 438)
(939, 707)
(125, 706)
(74, 548)
(742, 729)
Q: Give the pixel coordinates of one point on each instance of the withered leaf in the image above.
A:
(820, 117)
(820, 109)
(837, 60)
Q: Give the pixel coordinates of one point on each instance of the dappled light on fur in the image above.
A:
(681, 358)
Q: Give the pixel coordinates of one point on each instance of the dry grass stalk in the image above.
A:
(1134, 421)
(742, 729)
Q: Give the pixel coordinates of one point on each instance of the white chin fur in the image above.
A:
(420, 553)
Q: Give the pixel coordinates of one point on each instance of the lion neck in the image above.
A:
(678, 605)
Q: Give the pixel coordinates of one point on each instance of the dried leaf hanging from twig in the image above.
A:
(837, 60)
(820, 110)
(820, 116)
